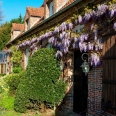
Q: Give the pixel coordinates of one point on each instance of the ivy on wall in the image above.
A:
(16, 59)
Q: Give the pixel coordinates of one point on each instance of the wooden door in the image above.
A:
(80, 85)
(109, 74)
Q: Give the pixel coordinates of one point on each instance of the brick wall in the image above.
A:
(94, 90)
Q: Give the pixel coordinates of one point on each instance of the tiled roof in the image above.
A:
(17, 27)
(36, 11)
(67, 3)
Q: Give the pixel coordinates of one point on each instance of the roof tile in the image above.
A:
(17, 27)
(36, 11)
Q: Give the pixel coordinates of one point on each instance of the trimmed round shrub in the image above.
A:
(41, 83)
(13, 81)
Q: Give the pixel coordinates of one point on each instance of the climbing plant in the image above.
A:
(62, 37)
(16, 59)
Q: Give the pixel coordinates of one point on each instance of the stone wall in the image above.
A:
(33, 20)
(9, 64)
(57, 4)
(67, 105)
(14, 34)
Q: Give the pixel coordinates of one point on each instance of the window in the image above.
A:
(27, 24)
(78, 28)
(49, 46)
(51, 8)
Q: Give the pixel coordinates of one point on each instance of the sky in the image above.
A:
(13, 8)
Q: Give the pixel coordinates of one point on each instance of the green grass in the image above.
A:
(9, 113)
(13, 113)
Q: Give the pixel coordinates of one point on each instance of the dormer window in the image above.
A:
(27, 24)
(16, 30)
(33, 16)
(51, 8)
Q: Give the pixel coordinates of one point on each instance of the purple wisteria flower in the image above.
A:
(80, 19)
(56, 30)
(86, 17)
(33, 40)
(90, 46)
(51, 40)
(83, 37)
(92, 26)
(70, 26)
(76, 44)
(27, 43)
(83, 46)
(63, 27)
(95, 60)
(95, 34)
(112, 10)
(59, 54)
(96, 47)
(75, 21)
(101, 9)
(114, 26)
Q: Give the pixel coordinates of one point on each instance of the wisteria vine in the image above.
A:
(64, 39)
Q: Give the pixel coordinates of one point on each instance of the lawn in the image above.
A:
(9, 113)
(29, 113)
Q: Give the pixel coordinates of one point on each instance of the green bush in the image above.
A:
(7, 102)
(41, 82)
(1, 75)
(1, 90)
(17, 69)
(13, 81)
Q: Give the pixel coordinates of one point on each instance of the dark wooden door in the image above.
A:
(80, 85)
(109, 74)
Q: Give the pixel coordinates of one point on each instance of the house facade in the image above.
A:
(93, 93)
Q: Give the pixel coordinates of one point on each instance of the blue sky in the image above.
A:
(13, 8)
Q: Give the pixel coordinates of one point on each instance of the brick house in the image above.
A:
(93, 93)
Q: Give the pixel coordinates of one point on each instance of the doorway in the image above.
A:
(80, 90)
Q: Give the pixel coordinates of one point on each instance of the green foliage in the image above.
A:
(17, 69)
(41, 81)
(9, 113)
(13, 81)
(16, 55)
(1, 89)
(17, 20)
(16, 59)
(1, 75)
(7, 102)
(5, 31)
